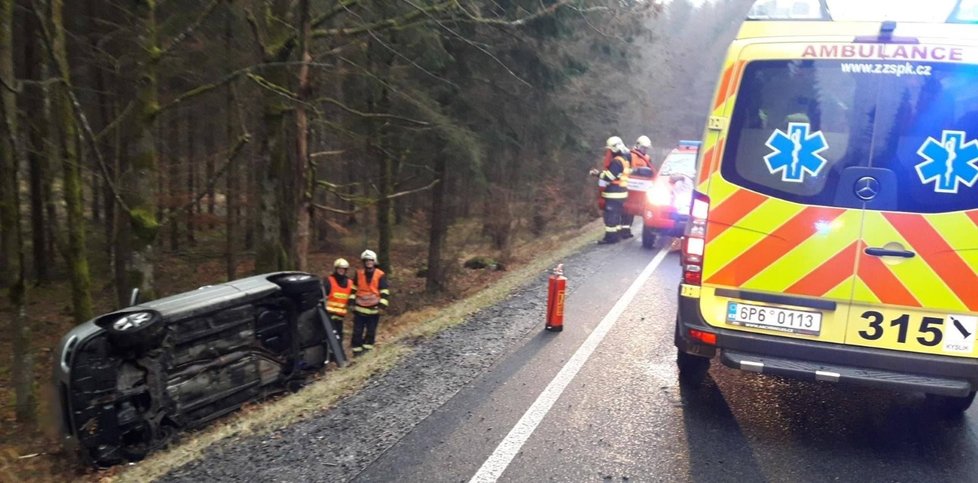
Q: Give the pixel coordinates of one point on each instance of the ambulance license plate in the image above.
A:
(771, 318)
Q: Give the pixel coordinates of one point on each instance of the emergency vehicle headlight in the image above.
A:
(682, 203)
(701, 209)
(695, 246)
(660, 194)
(787, 10)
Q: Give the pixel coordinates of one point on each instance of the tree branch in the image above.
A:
(77, 109)
(191, 28)
(398, 23)
(199, 90)
(469, 42)
(245, 138)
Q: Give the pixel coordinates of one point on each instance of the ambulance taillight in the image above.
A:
(694, 243)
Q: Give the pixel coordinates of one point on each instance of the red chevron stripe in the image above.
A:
(974, 216)
(707, 168)
(731, 210)
(883, 283)
(773, 246)
(933, 249)
(828, 275)
(724, 91)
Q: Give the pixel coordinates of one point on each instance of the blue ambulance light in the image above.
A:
(966, 11)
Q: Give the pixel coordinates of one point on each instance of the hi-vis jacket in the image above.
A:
(338, 295)
(640, 160)
(614, 179)
(370, 292)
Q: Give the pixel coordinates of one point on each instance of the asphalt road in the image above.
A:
(442, 413)
(624, 416)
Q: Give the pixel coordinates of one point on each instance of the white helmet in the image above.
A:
(341, 263)
(368, 255)
(644, 142)
(616, 145)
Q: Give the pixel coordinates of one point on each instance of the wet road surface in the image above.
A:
(624, 416)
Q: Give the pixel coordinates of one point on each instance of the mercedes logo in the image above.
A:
(867, 188)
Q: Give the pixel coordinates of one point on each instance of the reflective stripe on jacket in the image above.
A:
(640, 160)
(338, 297)
(615, 179)
(370, 294)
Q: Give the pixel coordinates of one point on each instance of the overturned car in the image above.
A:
(128, 381)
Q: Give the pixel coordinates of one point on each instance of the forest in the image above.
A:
(161, 145)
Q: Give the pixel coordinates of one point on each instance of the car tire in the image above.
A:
(692, 369)
(138, 329)
(295, 284)
(951, 405)
(648, 238)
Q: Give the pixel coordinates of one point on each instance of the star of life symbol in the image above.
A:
(796, 152)
(949, 162)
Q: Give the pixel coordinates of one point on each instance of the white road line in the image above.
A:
(500, 459)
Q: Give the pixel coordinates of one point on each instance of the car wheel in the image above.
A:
(692, 369)
(648, 238)
(297, 283)
(951, 405)
(141, 329)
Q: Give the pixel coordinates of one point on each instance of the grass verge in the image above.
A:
(322, 394)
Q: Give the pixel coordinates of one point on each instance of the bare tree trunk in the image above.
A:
(303, 206)
(144, 160)
(8, 158)
(191, 167)
(81, 297)
(11, 154)
(232, 176)
(209, 175)
(173, 200)
(435, 279)
(36, 160)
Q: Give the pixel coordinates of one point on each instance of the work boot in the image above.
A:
(626, 233)
(609, 238)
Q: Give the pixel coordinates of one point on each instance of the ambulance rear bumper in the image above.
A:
(823, 361)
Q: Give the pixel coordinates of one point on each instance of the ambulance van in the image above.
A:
(834, 227)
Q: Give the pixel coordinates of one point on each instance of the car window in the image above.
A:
(927, 134)
(798, 124)
(679, 163)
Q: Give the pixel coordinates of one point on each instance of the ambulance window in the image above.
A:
(926, 131)
(783, 101)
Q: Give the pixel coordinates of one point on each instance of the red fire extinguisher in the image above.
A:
(556, 290)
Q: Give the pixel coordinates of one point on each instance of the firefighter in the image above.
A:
(638, 157)
(614, 184)
(371, 296)
(640, 153)
(337, 290)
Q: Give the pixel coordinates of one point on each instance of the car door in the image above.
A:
(784, 223)
(917, 266)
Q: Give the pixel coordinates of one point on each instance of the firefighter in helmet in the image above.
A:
(614, 184)
(337, 291)
(371, 296)
(638, 158)
(640, 153)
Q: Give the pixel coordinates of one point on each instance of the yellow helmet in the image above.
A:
(341, 263)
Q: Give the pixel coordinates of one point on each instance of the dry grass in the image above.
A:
(325, 392)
